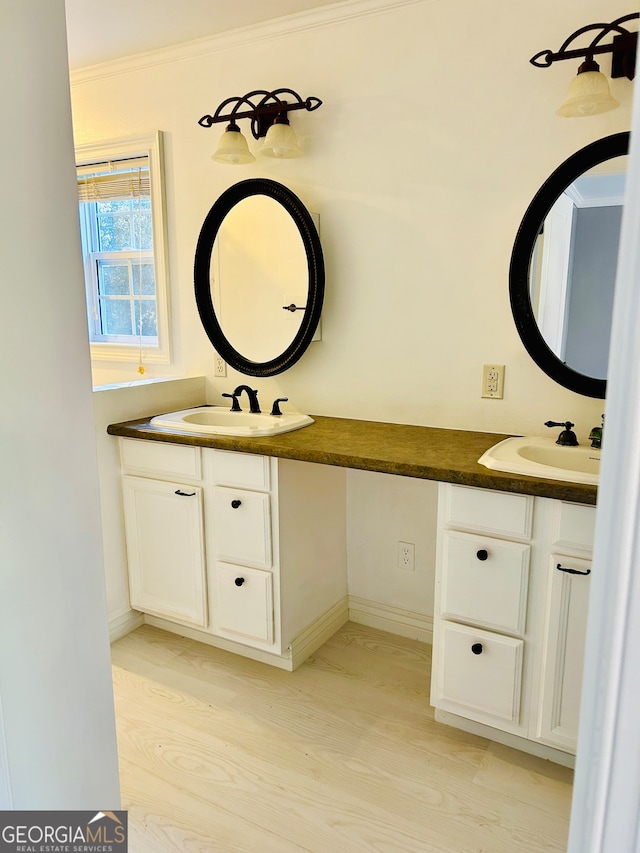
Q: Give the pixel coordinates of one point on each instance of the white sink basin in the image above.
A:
(218, 420)
(536, 456)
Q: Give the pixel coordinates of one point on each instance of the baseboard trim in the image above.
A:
(123, 623)
(395, 620)
(282, 662)
(540, 750)
(316, 634)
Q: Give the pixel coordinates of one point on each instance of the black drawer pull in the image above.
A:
(476, 648)
(482, 554)
(184, 494)
(239, 581)
(572, 571)
(236, 503)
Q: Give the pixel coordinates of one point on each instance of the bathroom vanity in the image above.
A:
(232, 548)
(512, 592)
(241, 543)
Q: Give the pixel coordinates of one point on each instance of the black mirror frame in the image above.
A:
(583, 160)
(315, 268)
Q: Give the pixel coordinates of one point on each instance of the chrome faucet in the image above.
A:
(254, 406)
(567, 437)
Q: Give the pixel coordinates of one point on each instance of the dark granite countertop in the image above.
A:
(428, 453)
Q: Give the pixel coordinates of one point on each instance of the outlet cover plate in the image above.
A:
(493, 381)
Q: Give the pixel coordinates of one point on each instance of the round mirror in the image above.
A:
(259, 277)
(563, 266)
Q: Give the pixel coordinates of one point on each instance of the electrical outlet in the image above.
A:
(493, 381)
(219, 365)
(406, 556)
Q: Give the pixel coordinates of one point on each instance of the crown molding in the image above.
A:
(325, 16)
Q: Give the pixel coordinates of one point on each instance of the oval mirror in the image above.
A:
(563, 266)
(259, 277)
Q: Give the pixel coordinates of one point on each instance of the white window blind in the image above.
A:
(112, 181)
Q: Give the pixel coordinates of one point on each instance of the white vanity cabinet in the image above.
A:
(512, 588)
(239, 550)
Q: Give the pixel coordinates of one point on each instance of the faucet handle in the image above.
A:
(567, 437)
(235, 405)
(596, 435)
(275, 409)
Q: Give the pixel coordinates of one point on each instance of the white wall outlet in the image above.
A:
(219, 365)
(407, 556)
(493, 381)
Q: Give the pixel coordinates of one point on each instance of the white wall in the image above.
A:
(434, 134)
(606, 793)
(383, 510)
(113, 405)
(55, 679)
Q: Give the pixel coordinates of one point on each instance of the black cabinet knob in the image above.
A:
(482, 554)
(476, 648)
(236, 503)
(239, 581)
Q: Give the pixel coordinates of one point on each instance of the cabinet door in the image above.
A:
(163, 523)
(244, 603)
(563, 655)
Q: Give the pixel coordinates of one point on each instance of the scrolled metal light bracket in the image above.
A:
(261, 107)
(622, 47)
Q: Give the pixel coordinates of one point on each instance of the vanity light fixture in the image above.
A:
(589, 92)
(269, 121)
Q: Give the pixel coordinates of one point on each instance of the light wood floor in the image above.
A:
(221, 753)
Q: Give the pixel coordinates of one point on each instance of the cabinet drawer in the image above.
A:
(241, 470)
(160, 459)
(242, 527)
(485, 581)
(480, 674)
(574, 527)
(495, 513)
(244, 602)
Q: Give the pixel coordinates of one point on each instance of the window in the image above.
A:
(122, 234)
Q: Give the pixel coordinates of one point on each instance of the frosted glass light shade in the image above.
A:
(588, 95)
(232, 148)
(281, 142)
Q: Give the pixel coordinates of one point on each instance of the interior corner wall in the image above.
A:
(58, 727)
(420, 162)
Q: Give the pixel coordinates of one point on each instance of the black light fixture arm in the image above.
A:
(262, 108)
(623, 47)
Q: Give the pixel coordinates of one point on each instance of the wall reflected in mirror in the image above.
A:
(258, 273)
(573, 268)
